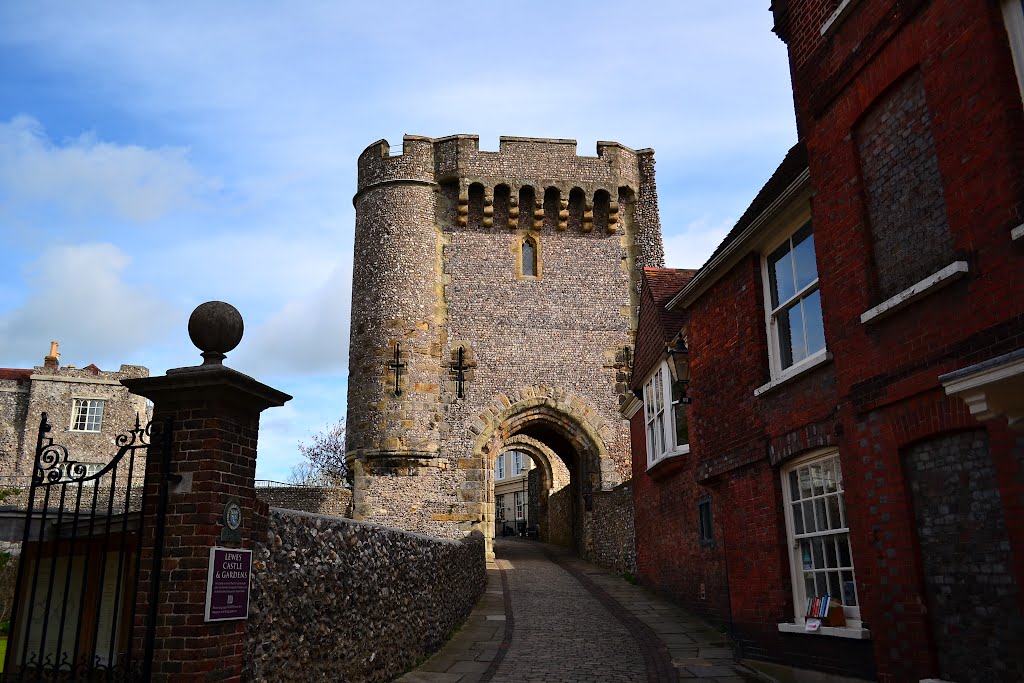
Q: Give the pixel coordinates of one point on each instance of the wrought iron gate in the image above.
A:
(74, 616)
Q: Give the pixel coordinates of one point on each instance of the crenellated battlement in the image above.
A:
(538, 163)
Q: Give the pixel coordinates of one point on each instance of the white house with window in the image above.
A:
(511, 491)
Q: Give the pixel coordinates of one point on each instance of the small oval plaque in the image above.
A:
(233, 515)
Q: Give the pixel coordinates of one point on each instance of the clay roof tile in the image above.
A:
(19, 374)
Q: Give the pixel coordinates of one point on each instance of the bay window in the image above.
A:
(664, 417)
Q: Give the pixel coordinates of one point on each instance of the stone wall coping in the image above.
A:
(205, 379)
(374, 527)
(76, 380)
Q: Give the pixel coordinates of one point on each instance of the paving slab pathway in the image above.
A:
(546, 616)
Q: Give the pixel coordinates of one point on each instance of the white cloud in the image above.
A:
(308, 335)
(255, 272)
(692, 246)
(77, 294)
(87, 174)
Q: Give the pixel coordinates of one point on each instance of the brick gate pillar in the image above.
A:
(214, 414)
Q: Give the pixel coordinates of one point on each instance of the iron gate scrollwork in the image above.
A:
(74, 615)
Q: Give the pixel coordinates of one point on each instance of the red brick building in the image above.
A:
(855, 352)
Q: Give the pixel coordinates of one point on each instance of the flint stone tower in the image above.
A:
(524, 263)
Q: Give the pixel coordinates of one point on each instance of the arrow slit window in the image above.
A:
(529, 257)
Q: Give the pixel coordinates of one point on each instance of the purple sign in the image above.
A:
(227, 584)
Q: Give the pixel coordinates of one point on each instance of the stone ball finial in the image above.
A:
(215, 328)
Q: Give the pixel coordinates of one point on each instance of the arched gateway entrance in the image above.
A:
(564, 438)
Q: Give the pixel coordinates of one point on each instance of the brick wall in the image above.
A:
(973, 600)
(905, 201)
(738, 441)
(935, 80)
(325, 589)
(215, 451)
(669, 557)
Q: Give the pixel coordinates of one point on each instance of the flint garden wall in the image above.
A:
(338, 600)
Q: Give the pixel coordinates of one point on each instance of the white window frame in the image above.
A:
(91, 469)
(87, 403)
(499, 507)
(517, 462)
(778, 373)
(851, 612)
(657, 392)
(1013, 18)
(520, 505)
(499, 467)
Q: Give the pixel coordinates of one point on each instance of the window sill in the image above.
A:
(837, 17)
(795, 371)
(948, 275)
(833, 631)
(670, 457)
(1017, 233)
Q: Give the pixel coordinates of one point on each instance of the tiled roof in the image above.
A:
(18, 374)
(656, 325)
(665, 283)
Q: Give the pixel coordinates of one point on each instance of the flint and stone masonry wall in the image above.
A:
(26, 394)
(612, 543)
(438, 267)
(322, 500)
(338, 600)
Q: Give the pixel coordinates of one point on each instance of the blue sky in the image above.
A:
(157, 155)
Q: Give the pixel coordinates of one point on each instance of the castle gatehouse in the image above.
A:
(494, 303)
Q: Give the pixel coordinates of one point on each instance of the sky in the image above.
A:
(157, 155)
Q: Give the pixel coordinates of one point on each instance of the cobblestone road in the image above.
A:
(548, 616)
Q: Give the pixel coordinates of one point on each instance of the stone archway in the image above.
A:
(550, 495)
(567, 428)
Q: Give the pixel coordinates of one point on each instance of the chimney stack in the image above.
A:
(52, 361)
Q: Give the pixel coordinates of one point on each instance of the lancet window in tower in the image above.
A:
(529, 254)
